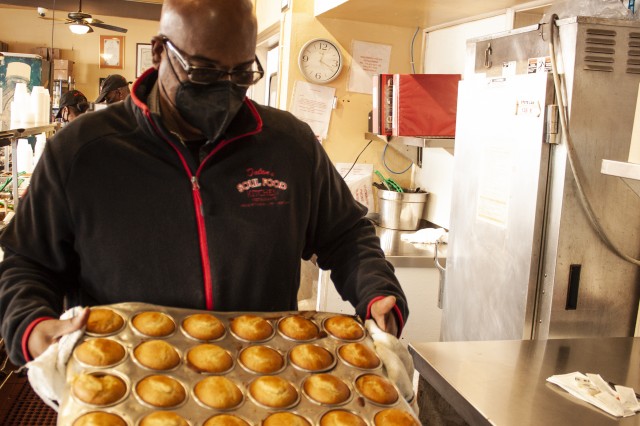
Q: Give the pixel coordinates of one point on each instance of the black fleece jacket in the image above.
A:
(119, 211)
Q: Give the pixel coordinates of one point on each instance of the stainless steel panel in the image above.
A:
(504, 383)
(597, 59)
(497, 208)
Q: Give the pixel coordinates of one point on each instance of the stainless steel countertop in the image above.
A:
(503, 383)
(407, 255)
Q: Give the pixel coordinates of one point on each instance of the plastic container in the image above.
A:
(401, 210)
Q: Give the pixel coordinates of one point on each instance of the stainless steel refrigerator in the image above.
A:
(523, 260)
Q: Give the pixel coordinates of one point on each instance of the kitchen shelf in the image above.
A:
(411, 147)
(629, 172)
(9, 140)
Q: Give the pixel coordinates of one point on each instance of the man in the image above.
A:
(114, 88)
(72, 104)
(187, 194)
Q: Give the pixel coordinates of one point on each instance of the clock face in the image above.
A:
(320, 61)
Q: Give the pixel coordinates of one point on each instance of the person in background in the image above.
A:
(187, 194)
(72, 104)
(114, 88)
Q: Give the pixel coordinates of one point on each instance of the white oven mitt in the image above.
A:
(395, 357)
(48, 372)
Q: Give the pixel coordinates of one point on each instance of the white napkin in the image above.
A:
(591, 388)
(47, 373)
(395, 357)
(426, 236)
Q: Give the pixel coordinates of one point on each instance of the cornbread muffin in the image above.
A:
(261, 359)
(288, 419)
(209, 358)
(157, 355)
(273, 391)
(225, 420)
(298, 328)
(104, 321)
(99, 352)
(203, 327)
(394, 417)
(99, 418)
(163, 418)
(311, 357)
(161, 391)
(154, 324)
(345, 328)
(326, 389)
(98, 389)
(377, 389)
(359, 355)
(251, 327)
(341, 418)
(218, 392)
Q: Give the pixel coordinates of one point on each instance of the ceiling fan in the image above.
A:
(82, 23)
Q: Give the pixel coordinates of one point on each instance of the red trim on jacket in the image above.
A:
(396, 310)
(197, 198)
(27, 333)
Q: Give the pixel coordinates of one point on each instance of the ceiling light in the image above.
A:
(79, 28)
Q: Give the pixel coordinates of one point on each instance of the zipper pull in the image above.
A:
(194, 183)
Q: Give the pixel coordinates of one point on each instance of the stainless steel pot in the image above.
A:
(401, 210)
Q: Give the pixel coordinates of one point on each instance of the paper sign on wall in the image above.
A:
(369, 59)
(312, 104)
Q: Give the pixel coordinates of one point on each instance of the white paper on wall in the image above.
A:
(369, 59)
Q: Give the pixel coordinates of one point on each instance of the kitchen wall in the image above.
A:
(23, 30)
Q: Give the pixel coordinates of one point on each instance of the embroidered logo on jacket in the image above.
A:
(262, 188)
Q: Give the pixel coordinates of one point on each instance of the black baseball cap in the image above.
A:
(73, 98)
(112, 82)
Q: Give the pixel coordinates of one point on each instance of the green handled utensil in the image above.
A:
(389, 183)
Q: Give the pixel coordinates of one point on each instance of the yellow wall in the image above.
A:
(23, 30)
(349, 120)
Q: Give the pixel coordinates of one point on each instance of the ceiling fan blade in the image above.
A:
(110, 27)
(75, 16)
(46, 18)
(93, 21)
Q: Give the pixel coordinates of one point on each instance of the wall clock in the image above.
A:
(320, 61)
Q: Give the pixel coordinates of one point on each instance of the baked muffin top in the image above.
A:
(104, 321)
(261, 359)
(98, 388)
(326, 389)
(273, 391)
(218, 392)
(377, 389)
(359, 355)
(161, 391)
(100, 352)
(341, 418)
(311, 357)
(203, 327)
(343, 327)
(209, 358)
(282, 419)
(99, 418)
(225, 420)
(157, 355)
(394, 417)
(154, 324)
(163, 418)
(297, 327)
(251, 327)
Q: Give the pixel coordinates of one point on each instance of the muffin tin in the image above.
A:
(132, 408)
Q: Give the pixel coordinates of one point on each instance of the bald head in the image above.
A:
(211, 28)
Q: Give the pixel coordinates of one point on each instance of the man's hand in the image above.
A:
(382, 315)
(49, 331)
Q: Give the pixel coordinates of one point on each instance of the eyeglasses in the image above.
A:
(209, 75)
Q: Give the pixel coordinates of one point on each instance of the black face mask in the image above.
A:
(211, 107)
